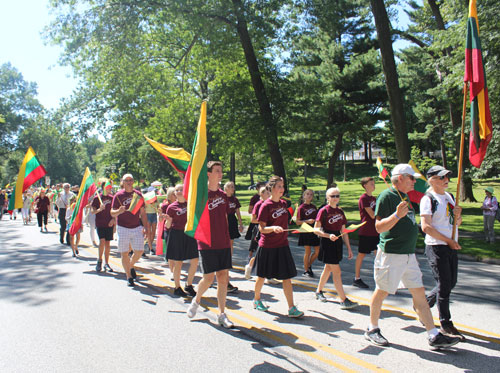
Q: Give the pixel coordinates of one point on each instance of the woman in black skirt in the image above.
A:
(273, 258)
(233, 216)
(180, 246)
(306, 213)
(330, 221)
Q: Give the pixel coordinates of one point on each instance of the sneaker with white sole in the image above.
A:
(347, 304)
(193, 307)
(224, 321)
(248, 272)
(294, 312)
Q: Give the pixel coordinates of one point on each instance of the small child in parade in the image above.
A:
(306, 213)
(274, 258)
(170, 198)
(248, 236)
(330, 222)
(74, 239)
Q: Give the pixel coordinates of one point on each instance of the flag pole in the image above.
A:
(460, 160)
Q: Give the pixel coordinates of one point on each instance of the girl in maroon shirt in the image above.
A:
(330, 222)
(306, 213)
(274, 259)
(42, 204)
(233, 216)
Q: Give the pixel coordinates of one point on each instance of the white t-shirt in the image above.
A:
(441, 219)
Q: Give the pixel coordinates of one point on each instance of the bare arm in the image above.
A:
(386, 224)
(370, 212)
(271, 229)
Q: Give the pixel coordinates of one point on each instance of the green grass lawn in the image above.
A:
(351, 189)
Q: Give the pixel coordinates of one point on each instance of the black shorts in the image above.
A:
(330, 252)
(254, 243)
(276, 262)
(367, 244)
(105, 233)
(213, 260)
(248, 235)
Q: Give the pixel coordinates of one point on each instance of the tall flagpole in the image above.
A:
(460, 160)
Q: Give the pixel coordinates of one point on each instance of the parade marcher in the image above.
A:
(368, 236)
(152, 215)
(105, 225)
(2, 202)
(129, 229)
(215, 259)
(274, 258)
(26, 210)
(438, 211)
(330, 223)
(255, 198)
(254, 244)
(234, 222)
(396, 261)
(170, 198)
(74, 239)
(489, 207)
(306, 213)
(180, 246)
(42, 206)
(62, 203)
(90, 219)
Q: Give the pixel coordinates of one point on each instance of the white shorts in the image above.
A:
(26, 213)
(130, 237)
(391, 269)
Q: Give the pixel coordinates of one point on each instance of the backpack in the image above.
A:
(435, 203)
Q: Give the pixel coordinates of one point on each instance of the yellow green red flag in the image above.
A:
(87, 190)
(177, 157)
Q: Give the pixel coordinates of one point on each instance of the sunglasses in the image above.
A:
(334, 196)
(410, 176)
(128, 180)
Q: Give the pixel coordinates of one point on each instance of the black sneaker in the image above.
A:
(179, 292)
(144, 255)
(108, 268)
(133, 273)
(311, 273)
(98, 266)
(231, 288)
(451, 331)
(360, 284)
(442, 341)
(190, 290)
(130, 282)
(375, 337)
(320, 296)
(431, 300)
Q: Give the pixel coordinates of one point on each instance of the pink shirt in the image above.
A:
(218, 208)
(332, 219)
(273, 213)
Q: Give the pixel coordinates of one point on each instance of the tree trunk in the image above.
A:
(365, 145)
(370, 156)
(345, 168)
(305, 172)
(391, 80)
(270, 130)
(333, 159)
(232, 172)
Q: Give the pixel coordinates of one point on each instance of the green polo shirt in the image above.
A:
(402, 238)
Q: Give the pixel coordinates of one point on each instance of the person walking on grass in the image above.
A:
(274, 258)
(330, 223)
(306, 213)
(489, 207)
(396, 261)
(438, 212)
(368, 236)
(215, 260)
(129, 229)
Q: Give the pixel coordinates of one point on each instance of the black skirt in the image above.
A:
(233, 226)
(330, 252)
(180, 246)
(254, 243)
(248, 235)
(308, 239)
(276, 262)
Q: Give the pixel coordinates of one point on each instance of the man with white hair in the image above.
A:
(129, 229)
(396, 261)
(62, 203)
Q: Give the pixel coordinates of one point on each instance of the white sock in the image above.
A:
(371, 327)
(432, 333)
(357, 278)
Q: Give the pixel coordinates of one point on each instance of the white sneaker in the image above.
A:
(248, 271)
(193, 307)
(272, 281)
(224, 321)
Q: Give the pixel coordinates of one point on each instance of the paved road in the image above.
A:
(60, 315)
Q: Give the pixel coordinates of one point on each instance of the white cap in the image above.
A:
(404, 169)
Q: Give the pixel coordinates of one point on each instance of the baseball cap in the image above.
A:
(437, 171)
(404, 169)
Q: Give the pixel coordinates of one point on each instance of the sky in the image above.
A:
(21, 24)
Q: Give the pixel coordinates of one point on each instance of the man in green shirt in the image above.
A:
(396, 261)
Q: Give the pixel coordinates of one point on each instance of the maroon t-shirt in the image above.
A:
(42, 204)
(163, 208)
(369, 228)
(255, 198)
(273, 213)
(218, 208)
(234, 204)
(307, 211)
(127, 219)
(178, 212)
(256, 208)
(103, 218)
(332, 219)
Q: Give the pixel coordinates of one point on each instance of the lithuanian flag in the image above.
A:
(480, 116)
(382, 171)
(196, 185)
(87, 190)
(177, 157)
(420, 186)
(31, 170)
(150, 197)
(136, 203)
